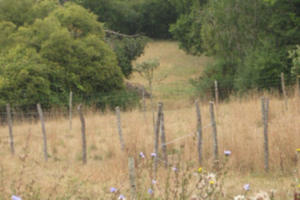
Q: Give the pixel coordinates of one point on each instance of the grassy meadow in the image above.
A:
(240, 130)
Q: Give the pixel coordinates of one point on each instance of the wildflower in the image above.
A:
(200, 169)
(142, 155)
(153, 155)
(246, 187)
(298, 186)
(174, 169)
(239, 197)
(227, 153)
(154, 182)
(211, 182)
(298, 150)
(113, 190)
(121, 197)
(15, 197)
(150, 191)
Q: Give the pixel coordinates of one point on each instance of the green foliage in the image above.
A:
(24, 79)
(64, 51)
(295, 56)
(156, 17)
(249, 40)
(127, 50)
(146, 69)
(25, 11)
(7, 29)
(187, 30)
(150, 17)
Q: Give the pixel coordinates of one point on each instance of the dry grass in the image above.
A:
(176, 68)
(64, 176)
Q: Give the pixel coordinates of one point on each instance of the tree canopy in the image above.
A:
(248, 39)
(50, 52)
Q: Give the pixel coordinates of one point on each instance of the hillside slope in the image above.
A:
(175, 70)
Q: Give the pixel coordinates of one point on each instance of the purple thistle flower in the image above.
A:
(15, 197)
(150, 191)
(142, 155)
(174, 169)
(121, 197)
(113, 190)
(227, 153)
(246, 187)
(153, 154)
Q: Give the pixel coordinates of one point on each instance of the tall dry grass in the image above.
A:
(240, 129)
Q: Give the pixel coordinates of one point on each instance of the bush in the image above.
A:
(64, 51)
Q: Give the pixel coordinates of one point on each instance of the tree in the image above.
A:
(127, 50)
(55, 54)
(249, 41)
(146, 70)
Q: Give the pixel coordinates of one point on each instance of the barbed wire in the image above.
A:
(179, 92)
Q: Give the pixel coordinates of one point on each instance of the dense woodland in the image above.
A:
(49, 47)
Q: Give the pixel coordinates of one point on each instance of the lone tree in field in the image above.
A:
(146, 70)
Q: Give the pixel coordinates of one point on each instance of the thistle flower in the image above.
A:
(150, 191)
(121, 197)
(154, 182)
(174, 169)
(142, 155)
(113, 190)
(153, 155)
(15, 197)
(227, 153)
(246, 187)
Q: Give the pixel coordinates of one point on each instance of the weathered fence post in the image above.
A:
(163, 138)
(84, 159)
(131, 167)
(284, 91)
(199, 132)
(297, 93)
(144, 104)
(40, 111)
(216, 92)
(10, 129)
(70, 109)
(265, 112)
(156, 140)
(120, 128)
(214, 129)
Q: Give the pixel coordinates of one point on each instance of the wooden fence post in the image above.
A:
(40, 111)
(199, 132)
(84, 159)
(163, 138)
(216, 92)
(214, 129)
(297, 93)
(284, 91)
(70, 109)
(10, 129)
(120, 128)
(131, 167)
(265, 111)
(156, 141)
